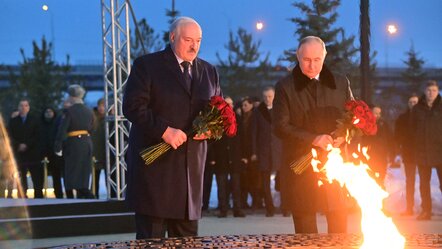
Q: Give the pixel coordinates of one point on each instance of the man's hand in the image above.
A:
(174, 137)
(59, 153)
(322, 141)
(202, 136)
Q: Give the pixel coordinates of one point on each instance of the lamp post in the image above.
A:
(259, 25)
(391, 30)
(45, 8)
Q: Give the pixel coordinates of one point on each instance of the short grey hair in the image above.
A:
(310, 39)
(180, 21)
(76, 91)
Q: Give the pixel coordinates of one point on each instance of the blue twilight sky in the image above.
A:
(77, 26)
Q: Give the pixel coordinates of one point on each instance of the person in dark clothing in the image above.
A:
(48, 132)
(307, 104)
(208, 177)
(99, 144)
(228, 166)
(24, 132)
(73, 141)
(404, 143)
(427, 133)
(164, 93)
(266, 147)
(380, 147)
(250, 176)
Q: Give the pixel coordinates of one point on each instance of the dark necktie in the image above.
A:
(186, 75)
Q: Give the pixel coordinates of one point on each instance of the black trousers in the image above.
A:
(222, 180)
(207, 185)
(55, 166)
(305, 223)
(410, 180)
(424, 185)
(336, 222)
(37, 175)
(155, 227)
(268, 199)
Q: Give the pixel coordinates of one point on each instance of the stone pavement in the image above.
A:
(252, 224)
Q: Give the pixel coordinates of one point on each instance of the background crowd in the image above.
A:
(243, 166)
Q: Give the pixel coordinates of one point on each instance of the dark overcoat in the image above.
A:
(156, 97)
(302, 112)
(403, 137)
(265, 144)
(427, 132)
(77, 151)
(28, 133)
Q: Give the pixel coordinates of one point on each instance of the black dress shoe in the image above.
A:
(222, 214)
(239, 213)
(286, 214)
(424, 216)
(270, 214)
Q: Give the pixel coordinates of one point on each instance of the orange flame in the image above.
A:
(378, 230)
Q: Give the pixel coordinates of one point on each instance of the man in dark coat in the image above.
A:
(73, 141)
(266, 147)
(427, 131)
(99, 144)
(307, 103)
(227, 159)
(380, 147)
(404, 143)
(165, 92)
(24, 132)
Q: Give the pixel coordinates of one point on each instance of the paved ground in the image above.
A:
(252, 224)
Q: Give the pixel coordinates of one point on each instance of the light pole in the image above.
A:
(259, 25)
(391, 30)
(45, 8)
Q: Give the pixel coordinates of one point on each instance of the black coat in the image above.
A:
(156, 97)
(427, 130)
(25, 133)
(265, 144)
(227, 153)
(77, 151)
(302, 112)
(404, 137)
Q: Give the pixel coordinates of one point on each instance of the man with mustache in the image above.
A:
(164, 93)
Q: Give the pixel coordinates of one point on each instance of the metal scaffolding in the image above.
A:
(116, 63)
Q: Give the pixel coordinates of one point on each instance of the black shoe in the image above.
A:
(424, 216)
(286, 213)
(270, 214)
(239, 213)
(222, 214)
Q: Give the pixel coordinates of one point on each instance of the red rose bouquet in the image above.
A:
(216, 119)
(357, 120)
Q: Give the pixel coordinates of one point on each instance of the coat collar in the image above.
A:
(422, 101)
(326, 78)
(262, 108)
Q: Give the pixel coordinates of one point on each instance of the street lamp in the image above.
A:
(45, 8)
(259, 25)
(392, 29)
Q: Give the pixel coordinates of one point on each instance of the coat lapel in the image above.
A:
(196, 75)
(174, 68)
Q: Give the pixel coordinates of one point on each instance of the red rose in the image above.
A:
(361, 123)
(349, 105)
(359, 111)
(370, 129)
(218, 102)
(231, 130)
